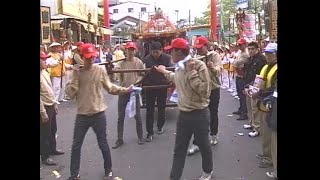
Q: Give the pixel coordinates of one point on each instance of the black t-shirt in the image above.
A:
(155, 77)
(253, 67)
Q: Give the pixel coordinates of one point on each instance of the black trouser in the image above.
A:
(122, 104)
(82, 124)
(214, 108)
(242, 97)
(52, 114)
(151, 96)
(195, 122)
(48, 131)
(44, 140)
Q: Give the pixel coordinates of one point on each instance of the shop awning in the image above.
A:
(61, 16)
(105, 31)
(85, 25)
(56, 21)
(55, 24)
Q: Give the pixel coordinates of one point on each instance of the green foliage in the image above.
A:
(229, 9)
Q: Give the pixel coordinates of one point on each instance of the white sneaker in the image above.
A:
(206, 176)
(247, 126)
(236, 97)
(230, 90)
(253, 134)
(213, 140)
(223, 87)
(193, 149)
(234, 94)
(272, 175)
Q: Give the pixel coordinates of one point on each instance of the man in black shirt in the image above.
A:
(155, 58)
(253, 67)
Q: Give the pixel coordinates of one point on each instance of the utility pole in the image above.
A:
(255, 15)
(190, 38)
(221, 21)
(229, 29)
(177, 13)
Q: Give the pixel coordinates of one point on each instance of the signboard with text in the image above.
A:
(249, 30)
(80, 9)
(45, 25)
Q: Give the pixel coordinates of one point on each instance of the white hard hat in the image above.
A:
(54, 44)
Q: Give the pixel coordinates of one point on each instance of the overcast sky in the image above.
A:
(183, 6)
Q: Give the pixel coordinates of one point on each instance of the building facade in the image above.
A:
(133, 9)
(75, 21)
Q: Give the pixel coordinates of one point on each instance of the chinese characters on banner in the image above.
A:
(249, 28)
(80, 9)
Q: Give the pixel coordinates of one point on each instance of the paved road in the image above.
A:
(234, 156)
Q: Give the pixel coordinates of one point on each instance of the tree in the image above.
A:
(229, 8)
(205, 18)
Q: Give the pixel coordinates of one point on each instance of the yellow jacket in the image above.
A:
(58, 69)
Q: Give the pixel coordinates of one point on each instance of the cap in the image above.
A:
(215, 43)
(80, 43)
(178, 43)
(88, 50)
(43, 55)
(271, 48)
(267, 39)
(241, 41)
(131, 45)
(200, 42)
(54, 44)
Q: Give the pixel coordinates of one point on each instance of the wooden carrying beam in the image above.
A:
(167, 105)
(136, 70)
(156, 87)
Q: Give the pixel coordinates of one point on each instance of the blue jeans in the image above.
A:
(82, 124)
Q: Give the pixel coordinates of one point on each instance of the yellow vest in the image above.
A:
(58, 70)
(268, 79)
(231, 67)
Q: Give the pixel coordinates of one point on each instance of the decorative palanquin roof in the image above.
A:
(157, 26)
